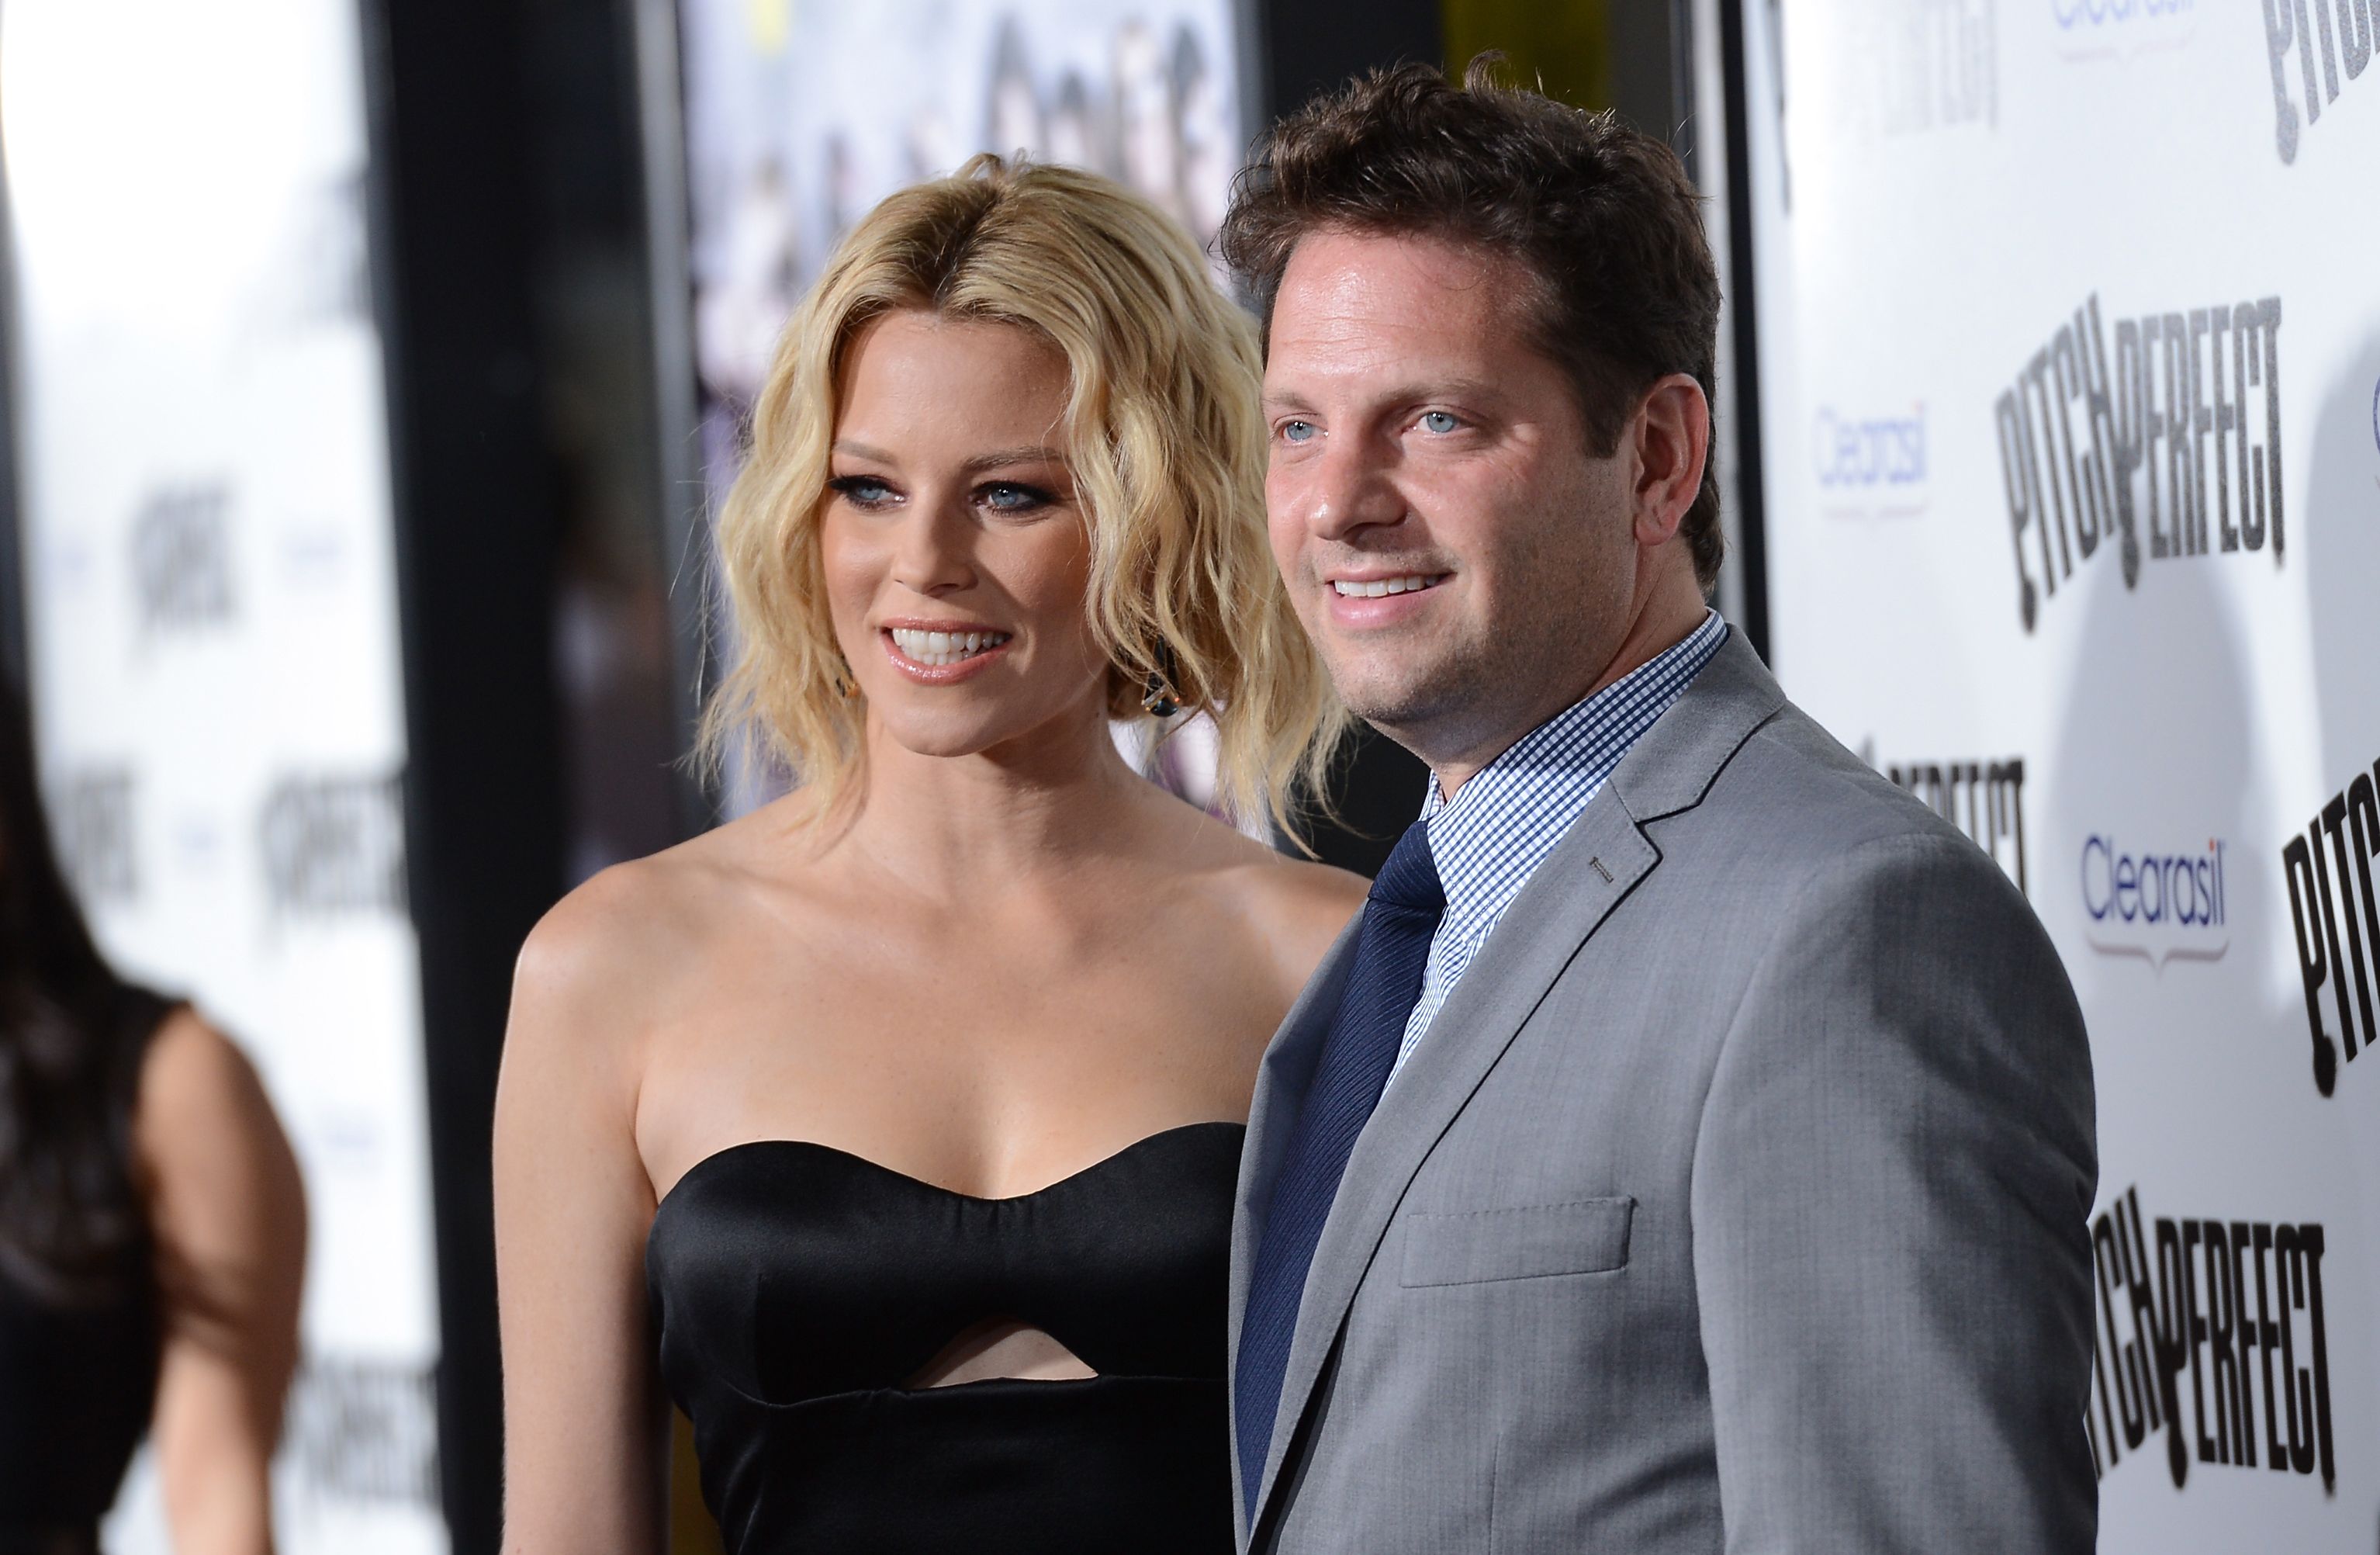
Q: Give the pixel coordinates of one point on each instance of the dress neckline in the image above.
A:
(880, 1169)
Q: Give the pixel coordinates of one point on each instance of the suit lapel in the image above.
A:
(1513, 970)
(1573, 892)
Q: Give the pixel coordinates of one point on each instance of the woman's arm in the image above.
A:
(586, 1444)
(228, 1213)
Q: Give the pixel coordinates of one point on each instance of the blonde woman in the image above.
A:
(892, 1130)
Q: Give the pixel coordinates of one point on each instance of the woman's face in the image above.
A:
(954, 547)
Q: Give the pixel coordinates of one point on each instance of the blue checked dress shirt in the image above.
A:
(1511, 814)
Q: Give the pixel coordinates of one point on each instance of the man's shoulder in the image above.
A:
(1795, 792)
(1736, 760)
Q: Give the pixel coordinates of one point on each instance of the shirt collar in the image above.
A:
(1510, 814)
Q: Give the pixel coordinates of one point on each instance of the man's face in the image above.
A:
(1463, 560)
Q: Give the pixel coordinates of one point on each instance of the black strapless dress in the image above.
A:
(795, 1286)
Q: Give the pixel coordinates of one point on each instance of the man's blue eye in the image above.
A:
(1439, 422)
(1296, 432)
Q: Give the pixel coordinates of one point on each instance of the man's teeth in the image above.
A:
(1376, 587)
(937, 649)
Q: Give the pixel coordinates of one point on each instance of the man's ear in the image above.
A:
(1669, 436)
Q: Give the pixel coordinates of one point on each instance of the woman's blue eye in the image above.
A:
(861, 491)
(1439, 422)
(1008, 496)
(1296, 432)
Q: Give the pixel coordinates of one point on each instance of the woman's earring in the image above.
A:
(1161, 700)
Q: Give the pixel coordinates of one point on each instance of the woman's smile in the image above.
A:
(939, 653)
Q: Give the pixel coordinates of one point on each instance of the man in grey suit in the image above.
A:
(1690, 1146)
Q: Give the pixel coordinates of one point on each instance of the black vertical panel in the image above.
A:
(1644, 77)
(452, 213)
(1306, 48)
(1378, 793)
(12, 555)
(1680, 38)
(680, 501)
(1750, 559)
(616, 391)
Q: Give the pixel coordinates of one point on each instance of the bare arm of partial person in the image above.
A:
(1892, 1254)
(585, 1429)
(229, 1217)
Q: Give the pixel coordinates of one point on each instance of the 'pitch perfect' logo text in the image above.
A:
(2232, 1311)
(333, 844)
(2337, 922)
(1984, 800)
(92, 817)
(2124, 459)
(2337, 33)
(181, 558)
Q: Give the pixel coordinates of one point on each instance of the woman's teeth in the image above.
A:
(935, 650)
(1350, 590)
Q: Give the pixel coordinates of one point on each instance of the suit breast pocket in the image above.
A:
(1587, 1236)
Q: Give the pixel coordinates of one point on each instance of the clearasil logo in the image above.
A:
(2157, 906)
(2099, 31)
(1870, 465)
(2072, 14)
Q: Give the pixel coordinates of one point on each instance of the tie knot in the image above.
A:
(1409, 880)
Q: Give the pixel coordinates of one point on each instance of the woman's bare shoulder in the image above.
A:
(1309, 901)
(611, 933)
(197, 1082)
(224, 1183)
(1296, 908)
(635, 935)
(593, 991)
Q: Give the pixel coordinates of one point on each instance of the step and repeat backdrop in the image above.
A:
(2069, 327)
(212, 646)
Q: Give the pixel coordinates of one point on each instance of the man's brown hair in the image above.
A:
(1605, 217)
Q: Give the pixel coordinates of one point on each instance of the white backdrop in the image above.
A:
(213, 646)
(2070, 376)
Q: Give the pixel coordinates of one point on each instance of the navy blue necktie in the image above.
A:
(1392, 949)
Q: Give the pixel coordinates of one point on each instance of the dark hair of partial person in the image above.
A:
(1604, 216)
(71, 1036)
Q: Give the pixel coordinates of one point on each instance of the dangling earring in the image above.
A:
(1161, 700)
(844, 686)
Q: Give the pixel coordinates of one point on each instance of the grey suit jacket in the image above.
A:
(1736, 1199)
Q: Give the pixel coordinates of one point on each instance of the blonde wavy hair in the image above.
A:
(1168, 456)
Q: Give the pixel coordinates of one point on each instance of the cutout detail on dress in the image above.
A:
(1008, 1347)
